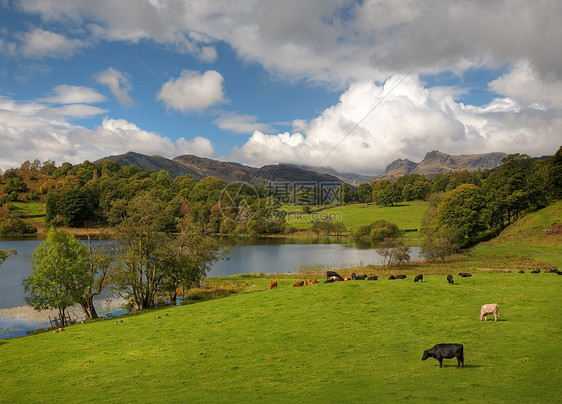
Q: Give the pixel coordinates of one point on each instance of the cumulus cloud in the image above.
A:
(119, 84)
(240, 123)
(65, 94)
(374, 124)
(30, 130)
(522, 83)
(192, 91)
(40, 43)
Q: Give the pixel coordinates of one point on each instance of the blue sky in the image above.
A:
(350, 85)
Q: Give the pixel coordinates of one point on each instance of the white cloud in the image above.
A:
(240, 123)
(198, 146)
(525, 85)
(30, 130)
(40, 43)
(119, 84)
(192, 91)
(373, 125)
(65, 94)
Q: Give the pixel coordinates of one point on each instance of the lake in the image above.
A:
(248, 256)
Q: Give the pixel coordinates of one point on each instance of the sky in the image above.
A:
(351, 85)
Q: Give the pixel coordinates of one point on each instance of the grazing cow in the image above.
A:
(521, 272)
(450, 279)
(418, 278)
(373, 278)
(441, 351)
(273, 285)
(464, 274)
(301, 283)
(362, 277)
(312, 282)
(353, 275)
(330, 280)
(489, 309)
(536, 271)
(330, 274)
(391, 277)
(345, 278)
(400, 276)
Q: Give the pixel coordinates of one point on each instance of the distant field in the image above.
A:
(30, 208)
(355, 341)
(407, 215)
(537, 235)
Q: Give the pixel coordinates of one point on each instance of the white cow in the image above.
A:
(489, 309)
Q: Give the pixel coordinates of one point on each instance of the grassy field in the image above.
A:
(356, 341)
(30, 208)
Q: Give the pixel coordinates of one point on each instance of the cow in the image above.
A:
(536, 271)
(521, 272)
(450, 279)
(391, 277)
(418, 278)
(361, 277)
(330, 274)
(464, 274)
(345, 278)
(301, 283)
(273, 285)
(312, 282)
(400, 276)
(441, 351)
(489, 309)
(353, 275)
(373, 278)
(330, 280)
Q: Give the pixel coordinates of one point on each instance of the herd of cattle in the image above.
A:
(439, 351)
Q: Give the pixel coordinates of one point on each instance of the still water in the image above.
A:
(255, 256)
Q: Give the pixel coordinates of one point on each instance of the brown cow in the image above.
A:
(273, 285)
(301, 283)
(312, 282)
(489, 309)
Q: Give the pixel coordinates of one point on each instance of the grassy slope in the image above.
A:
(527, 238)
(343, 342)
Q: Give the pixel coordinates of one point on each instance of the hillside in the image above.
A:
(349, 178)
(436, 162)
(537, 235)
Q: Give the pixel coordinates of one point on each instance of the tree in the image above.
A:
(438, 247)
(364, 193)
(393, 251)
(142, 252)
(188, 258)
(4, 254)
(383, 229)
(346, 194)
(554, 175)
(59, 273)
(389, 195)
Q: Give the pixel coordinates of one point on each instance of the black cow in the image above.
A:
(418, 278)
(372, 278)
(536, 271)
(400, 276)
(521, 272)
(464, 274)
(353, 275)
(361, 277)
(330, 274)
(391, 277)
(329, 280)
(450, 279)
(448, 351)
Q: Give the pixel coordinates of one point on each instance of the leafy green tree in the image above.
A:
(142, 252)
(554, 175)
(389, 195)
(393, 251)
(59, 273)
(438, 248)
(377, 187)
(365, 193)
(461, 209)
(346, 194)
(383, 229)
(4, 254)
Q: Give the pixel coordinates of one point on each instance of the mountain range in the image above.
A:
(199, 167)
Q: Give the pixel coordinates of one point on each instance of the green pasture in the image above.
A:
(30, 208)
(356, 341)
(407, 215)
